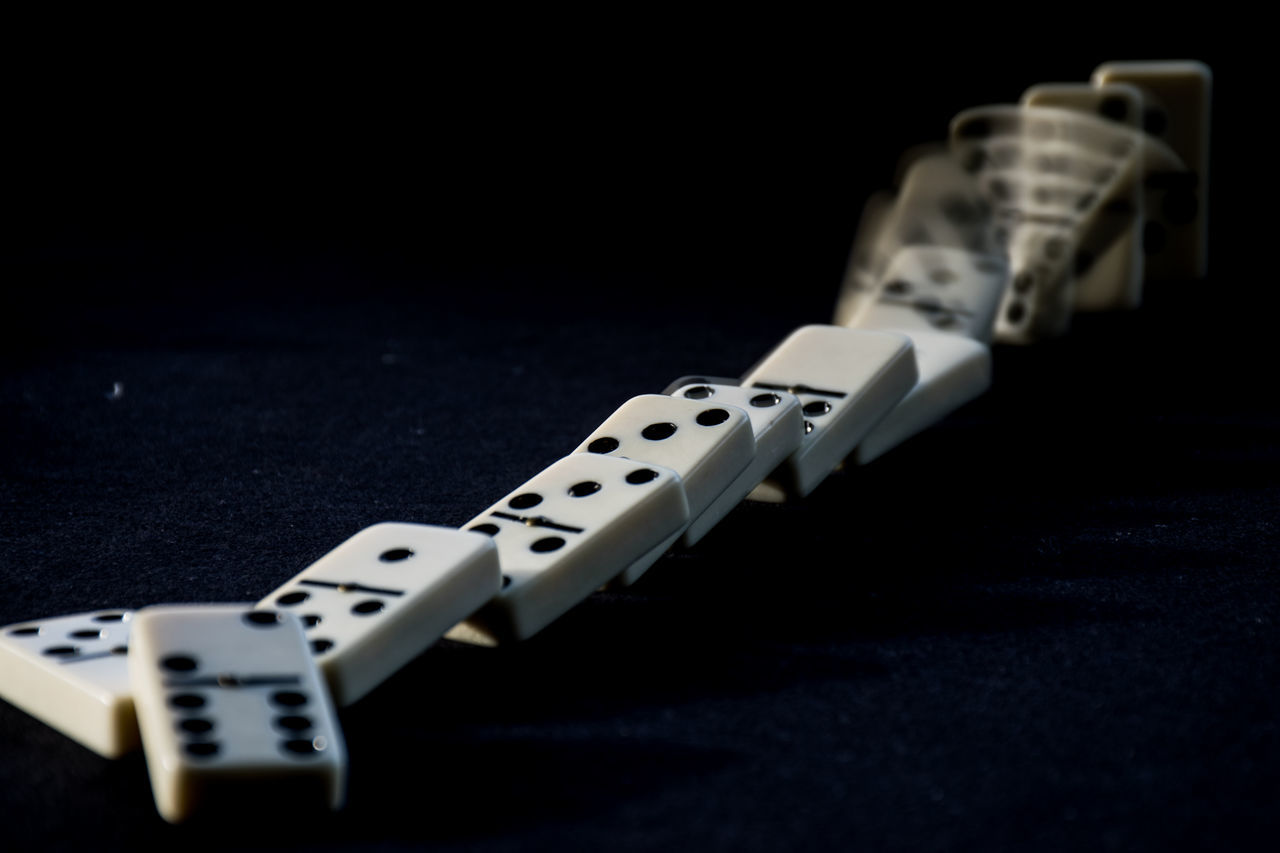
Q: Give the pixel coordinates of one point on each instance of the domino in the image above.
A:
(71, 673)
(233, 712)
(847, 380)
(382, 597)
(573, 527)
(777, 426)
(708, 444)
(1176, 111)
(935, 288)
(953, 370)
(1110, 271)
(938, 204)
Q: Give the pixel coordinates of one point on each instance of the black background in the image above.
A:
(361, 271)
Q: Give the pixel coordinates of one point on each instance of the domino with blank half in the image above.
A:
(574, 527)
(847, 380)
(382, 597)
(71, 672)
(707, 443)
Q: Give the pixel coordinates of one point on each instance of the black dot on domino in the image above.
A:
(816, 408)
(178, 663)
(712, 417)
(641, 476)
(1113, 107)
(1000, 189)
(196, 725)
(898, 287)
(61, 651)
(506, 581)
(658, 431)
(1023, 281)
(395, 555)
(202, 749)
(302, 746)
(486, 529)
(120, 650)
(700, 392)
(109, 617)
(1016, 312)
(86, 634)
(764, 401)
(29, 631)
(262, 618)
(586, 487)
(547, 544)
(187, 700)
(528, 499)
(294, 722)
(367, 608)
(291, 598)
(289, 699)
(319, 647)
(310, 620)
(603, 445)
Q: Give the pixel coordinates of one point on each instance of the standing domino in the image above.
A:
(1177, 97)
(570, 529)
(708, 444)
(382, 597)
(847, 381)
(778, 428)
(233, 711)
(71, 672)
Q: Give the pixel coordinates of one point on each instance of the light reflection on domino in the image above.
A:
(708, 443)
(71, 672)
(569, 530)
(382, 597)
(233, 712)
(847, 380)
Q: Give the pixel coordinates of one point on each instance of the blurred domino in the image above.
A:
(1177, 97)
(953, 370)
(573, 527)
(847, 380)
(71, 673)
(1110, 276)
(935, 288)
(382, 597)
(234, 714)
(778, 428)
(708, 444)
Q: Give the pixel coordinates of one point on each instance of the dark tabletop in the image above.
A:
(257, 304)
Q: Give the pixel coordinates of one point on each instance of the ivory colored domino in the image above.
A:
(709, 444)
(572, 528)
(778, 429)
(847, 380)
(384, 596)
(953, 370)
(233, 712)
(71, 672)
(1177, 100)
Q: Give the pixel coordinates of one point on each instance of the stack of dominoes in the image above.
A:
(1070, 200)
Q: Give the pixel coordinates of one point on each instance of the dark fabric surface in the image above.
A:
(1049, 623)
